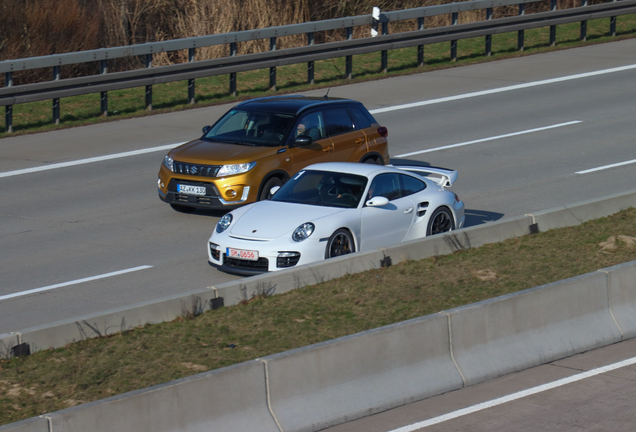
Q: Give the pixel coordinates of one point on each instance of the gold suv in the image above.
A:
(261, 143)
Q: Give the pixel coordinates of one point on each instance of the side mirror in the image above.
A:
(273, 190)
(206, 129)
(377, 201)
(303, 140)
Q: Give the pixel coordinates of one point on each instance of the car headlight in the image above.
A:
(235, 169)
(303, 231)
(224, 223)
(168, 162)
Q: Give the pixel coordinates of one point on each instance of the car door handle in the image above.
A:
(327, 149)
(409, 210)
(360, 141)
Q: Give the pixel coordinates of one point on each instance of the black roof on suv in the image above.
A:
(292, 104)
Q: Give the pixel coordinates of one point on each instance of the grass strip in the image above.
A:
(83, 110)
(93, 369)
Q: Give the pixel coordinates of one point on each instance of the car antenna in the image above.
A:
(326, 96)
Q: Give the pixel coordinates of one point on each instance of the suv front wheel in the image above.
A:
(274, 181)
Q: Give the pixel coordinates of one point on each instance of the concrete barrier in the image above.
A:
(7, 342)
(532, 327)
(576, 214)
(34, 424)
(117, 320)
(621, 281)
(459, 240)
(297, 277)
(225, 400)
(322, 385)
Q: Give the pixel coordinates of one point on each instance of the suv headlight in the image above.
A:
(303, 231)
(235, 169)
(168, 162)
(224, 223)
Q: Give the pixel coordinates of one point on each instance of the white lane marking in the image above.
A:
(606, 167)
(489, 138)
(503, 89)
(78, 281)
(375, 111)
(87, 161)
(515, 396)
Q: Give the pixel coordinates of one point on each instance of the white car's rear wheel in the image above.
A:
(441, 221)
(340, 243)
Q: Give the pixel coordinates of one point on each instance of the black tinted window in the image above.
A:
(411, 185)
(359, 119)
(386, 185)
(338, 121)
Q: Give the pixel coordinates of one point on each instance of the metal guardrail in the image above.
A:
(191, 70)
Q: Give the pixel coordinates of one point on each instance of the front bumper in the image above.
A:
(220, 193)
(273, 255)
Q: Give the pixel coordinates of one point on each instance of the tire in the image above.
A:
(441, 221)
(182, 209)
(373, 160)
(340, 243)
(274, 181)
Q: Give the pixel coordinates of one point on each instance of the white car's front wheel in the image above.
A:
(340, 243)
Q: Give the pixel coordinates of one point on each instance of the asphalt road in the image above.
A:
(567, 400)
(518, 131)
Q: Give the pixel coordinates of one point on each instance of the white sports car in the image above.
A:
(332, 209)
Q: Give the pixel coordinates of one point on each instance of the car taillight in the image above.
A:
(384, 132)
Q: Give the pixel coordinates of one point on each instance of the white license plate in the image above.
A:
(249, 255)
(191, 190)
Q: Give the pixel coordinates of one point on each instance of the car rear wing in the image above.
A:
(442, 176)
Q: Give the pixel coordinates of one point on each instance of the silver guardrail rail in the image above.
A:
(104, 82)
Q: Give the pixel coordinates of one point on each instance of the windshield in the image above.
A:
(255, 128)
(324, 188)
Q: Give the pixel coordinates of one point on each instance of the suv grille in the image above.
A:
(196, 169)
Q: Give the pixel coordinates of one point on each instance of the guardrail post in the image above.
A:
(583, 24)
(385, 54)
(420, 48)
(272, 70)
(233, 74)
(613, 24)
(8, 110)
(56, 101)
(488, 51)
(149, 87)
(310, 65)
(103, 96)
(191, 98)
(553, 7)
(349, 59)
(521, 33)
(453, 44)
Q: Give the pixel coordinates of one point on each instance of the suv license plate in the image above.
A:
(191, 190)
(249, 255)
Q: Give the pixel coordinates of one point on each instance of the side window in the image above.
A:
(312, 125)
(411, 185)
(386, 185)
(338, 121)
(360, 121)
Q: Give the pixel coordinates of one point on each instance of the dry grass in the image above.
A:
(97, 368)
